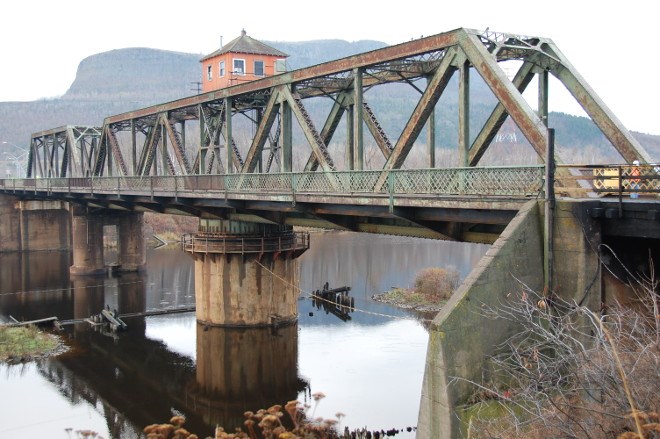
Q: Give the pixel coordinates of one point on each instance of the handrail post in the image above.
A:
(390, 189)
(620, 169)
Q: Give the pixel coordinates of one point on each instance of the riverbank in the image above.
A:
(21, 344)
(410, 299)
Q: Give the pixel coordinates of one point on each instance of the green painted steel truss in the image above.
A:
(248, 128)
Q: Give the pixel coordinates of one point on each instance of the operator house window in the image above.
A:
(209, 72)
(222, 68)
(258, 68)
(239, 66)
(280, 66)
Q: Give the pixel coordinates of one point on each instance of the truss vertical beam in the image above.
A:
(463, 114)
(512, 100)
(543, 97)
(430, 135)
(200, 162)
(133, 147)
(629, 148)
(228, 135)
(349, 154)
(358, 121)
(287, 136)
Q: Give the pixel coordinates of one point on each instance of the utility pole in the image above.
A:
(198, 86)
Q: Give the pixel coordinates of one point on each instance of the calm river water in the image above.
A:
(369, 367)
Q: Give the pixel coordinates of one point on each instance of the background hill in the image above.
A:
(125, 79)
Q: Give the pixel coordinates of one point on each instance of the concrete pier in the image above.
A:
(33, 225)
(131, 244)
(246, 274)
(87, 236)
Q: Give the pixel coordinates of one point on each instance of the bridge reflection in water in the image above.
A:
(150, 371)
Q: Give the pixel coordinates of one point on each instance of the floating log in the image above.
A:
(37, 322)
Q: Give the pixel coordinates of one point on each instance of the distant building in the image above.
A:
(242, 59)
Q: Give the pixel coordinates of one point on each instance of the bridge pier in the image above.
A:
(246, 274)
(33, 225)
(87, 237)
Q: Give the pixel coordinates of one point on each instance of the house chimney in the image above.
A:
(220, 41)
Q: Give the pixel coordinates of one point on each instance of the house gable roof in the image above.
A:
(246, 44)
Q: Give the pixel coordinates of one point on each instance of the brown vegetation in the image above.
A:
(573, 373)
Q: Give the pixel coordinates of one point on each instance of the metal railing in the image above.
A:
(246, 244)
(519, 181)
(583, 181)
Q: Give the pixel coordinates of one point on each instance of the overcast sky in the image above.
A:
(612, 44)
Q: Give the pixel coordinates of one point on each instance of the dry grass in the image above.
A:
(24, 343)
(573, 373)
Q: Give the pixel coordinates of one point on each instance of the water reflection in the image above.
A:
(370, 367)
(244, 369)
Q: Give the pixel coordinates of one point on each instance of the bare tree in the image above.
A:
(573, 373)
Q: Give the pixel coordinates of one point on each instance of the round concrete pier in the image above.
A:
(246, 278)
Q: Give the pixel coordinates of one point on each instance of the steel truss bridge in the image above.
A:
(193, 156)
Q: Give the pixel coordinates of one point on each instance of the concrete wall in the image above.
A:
(461, 338)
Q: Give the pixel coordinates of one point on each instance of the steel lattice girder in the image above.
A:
(435, 57)
(67, 151)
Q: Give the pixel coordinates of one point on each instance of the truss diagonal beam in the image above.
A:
(629, 148)
(179, 152)
(313, 137)
(116, 152)
(420, 114)
(261, 136)
(330, 126)
(498, 116)
(377, 131)
(515, 105)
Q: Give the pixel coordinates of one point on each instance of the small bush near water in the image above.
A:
(436, 283)
(433, 286)
(22, 343)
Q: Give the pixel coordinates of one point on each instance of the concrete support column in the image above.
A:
(132, 249)
(10, 225)
(87, 236)
(246, 274)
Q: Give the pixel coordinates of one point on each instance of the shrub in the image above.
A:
(436, 283)
(571, 372)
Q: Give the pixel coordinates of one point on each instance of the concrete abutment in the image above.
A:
(463, 336)
(33, 225)
(246, 274)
